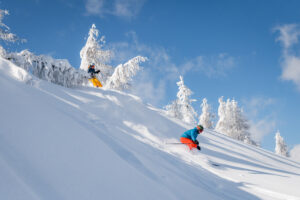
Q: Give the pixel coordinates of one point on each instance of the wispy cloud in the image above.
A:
(289, 38)
(263, 127)
(95, 7)
(288, 35)
(146, 88)
(162, 65)
(159, 62)
(160, 59)
(211, 66)
(256, 104)
(261, 115)
(120, 8)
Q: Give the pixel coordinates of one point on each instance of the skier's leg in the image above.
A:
(98, 83)
(93, 82)
(188, 142)
(192, 145)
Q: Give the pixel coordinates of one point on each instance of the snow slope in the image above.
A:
(89, 143)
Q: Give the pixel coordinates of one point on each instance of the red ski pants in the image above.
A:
(188, 142)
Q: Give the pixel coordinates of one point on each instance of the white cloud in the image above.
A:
(260, 129)
(256, 104)
(289, 37)
(160, 60)
(95, 7)
(291, 69)
(211, 66)
(147, 84)
(146, 88)
(128, 8)
(120, 8)
(161, 65)
(260, 111)
(295, 153)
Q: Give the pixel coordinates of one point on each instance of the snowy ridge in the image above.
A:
(88, 143)
(10, 70)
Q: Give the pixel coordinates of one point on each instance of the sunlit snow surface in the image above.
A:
(89, 143)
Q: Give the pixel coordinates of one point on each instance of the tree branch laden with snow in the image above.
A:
(5, 33)
(58, 71)
(123, 74)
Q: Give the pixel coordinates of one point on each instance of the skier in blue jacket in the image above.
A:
(190, 137)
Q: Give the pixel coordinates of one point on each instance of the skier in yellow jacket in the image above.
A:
(93, 78)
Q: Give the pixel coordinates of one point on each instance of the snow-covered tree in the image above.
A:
(221, 124)
(232, 122)
(123, 74)
(182, 108)
(239, 124)
(92, 53)
(5, 33)
(173, 110)
(206, 117)
(58, 71)
(281, 147)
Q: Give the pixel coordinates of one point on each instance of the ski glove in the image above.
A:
(196, 142)
(199, 148)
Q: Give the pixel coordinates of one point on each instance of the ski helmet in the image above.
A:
(200, 128)
(92, 66)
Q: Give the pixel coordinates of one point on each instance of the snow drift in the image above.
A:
(88, 143)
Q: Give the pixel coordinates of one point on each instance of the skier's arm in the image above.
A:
(194, 136)
(96, 72)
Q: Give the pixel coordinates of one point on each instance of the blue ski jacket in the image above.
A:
(191, 134)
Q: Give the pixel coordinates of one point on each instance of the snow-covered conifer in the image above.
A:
(232, 122)
(92, 53)
(186, 108)
(239, 124)
(123, 74)
(221, 124)
(182, 108)
(206, 117)
(281, 147)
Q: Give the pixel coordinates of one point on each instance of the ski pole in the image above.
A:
(179, 143)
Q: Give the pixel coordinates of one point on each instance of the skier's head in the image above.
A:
(199, 128)
(92, 66)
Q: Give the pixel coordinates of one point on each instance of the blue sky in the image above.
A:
(246, 50)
